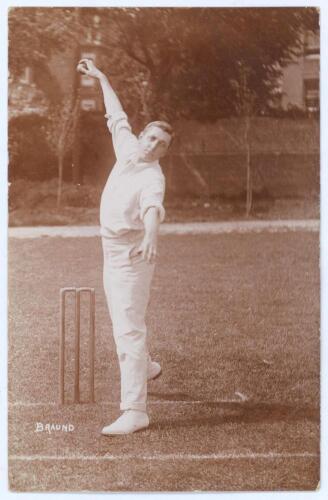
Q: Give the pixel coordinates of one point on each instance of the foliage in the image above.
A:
(29, 154)
(171, 62)
(36, 33)
(42, 195)
(190, 58)
(60, 129)
(60, 133)
(293, 112)
(96, 151)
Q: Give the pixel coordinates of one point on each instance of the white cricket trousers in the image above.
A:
(127, 281)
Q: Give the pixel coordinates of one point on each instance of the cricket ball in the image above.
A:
(81, 67)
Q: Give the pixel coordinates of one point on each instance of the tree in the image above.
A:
(190, 56)
(35, 33)
(180, 62)
(62, 124)
(245, 108)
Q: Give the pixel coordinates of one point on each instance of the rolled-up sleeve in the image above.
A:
(124, 141)
(153, 196)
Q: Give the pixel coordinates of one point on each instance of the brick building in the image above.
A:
(300, 80)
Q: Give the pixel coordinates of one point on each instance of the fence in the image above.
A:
(211, 159)
(205, 159)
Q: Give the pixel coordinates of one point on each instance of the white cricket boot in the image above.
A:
(154, 370)
(130, 421)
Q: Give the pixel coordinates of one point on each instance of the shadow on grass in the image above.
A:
(242, 413)
(173, 396)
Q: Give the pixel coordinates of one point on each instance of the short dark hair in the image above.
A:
(163, 125)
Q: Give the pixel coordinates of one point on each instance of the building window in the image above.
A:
(311, 71)
(87, 81)
(311, 68)
(88, 104)
(312, 44)
(312, 94)
(88, 55)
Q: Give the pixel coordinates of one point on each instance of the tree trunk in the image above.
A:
(60, 179)
(249, 186)
(76, 147)
(76, 164)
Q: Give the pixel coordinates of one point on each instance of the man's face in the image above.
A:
(153, 143)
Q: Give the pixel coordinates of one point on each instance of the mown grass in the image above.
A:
(228, 313)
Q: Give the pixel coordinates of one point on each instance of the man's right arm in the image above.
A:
(112, 102)
(124, 141)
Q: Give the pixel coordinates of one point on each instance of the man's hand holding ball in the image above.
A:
(87, 67)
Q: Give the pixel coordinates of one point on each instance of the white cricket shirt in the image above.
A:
(132, 186)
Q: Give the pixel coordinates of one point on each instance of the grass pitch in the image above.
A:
(234, 322)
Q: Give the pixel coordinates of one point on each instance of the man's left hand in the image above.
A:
(148, 249)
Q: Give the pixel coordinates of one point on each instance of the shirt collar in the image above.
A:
(143, 164)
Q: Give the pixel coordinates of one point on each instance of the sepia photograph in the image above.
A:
(163, 249)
